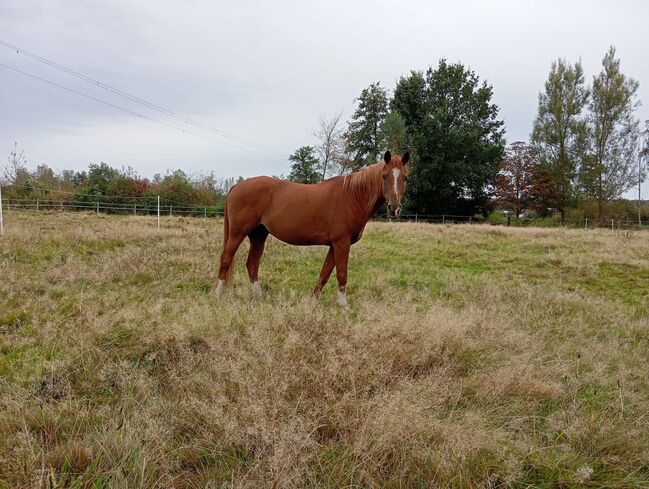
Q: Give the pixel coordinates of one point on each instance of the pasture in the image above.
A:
(471, 356)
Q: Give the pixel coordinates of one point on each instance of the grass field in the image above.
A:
(471, 356)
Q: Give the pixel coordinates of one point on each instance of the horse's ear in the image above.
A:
(406, 157)
(387, 157)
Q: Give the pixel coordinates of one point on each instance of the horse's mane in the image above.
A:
(365, 184)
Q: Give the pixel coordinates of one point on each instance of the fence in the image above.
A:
(145, 207)
(133, 208)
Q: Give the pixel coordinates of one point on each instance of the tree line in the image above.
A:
(107, 185)
(587, 147)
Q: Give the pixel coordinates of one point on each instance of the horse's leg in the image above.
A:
(327, 268)
(341, 257)
(229, 250)
(257, 241)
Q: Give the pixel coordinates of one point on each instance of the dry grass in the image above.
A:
(471, 357)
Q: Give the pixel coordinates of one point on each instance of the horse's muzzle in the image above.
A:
(395, 211)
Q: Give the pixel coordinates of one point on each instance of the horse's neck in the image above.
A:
(365, 188)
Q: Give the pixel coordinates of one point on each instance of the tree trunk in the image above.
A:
(600, 212)
(600, 201)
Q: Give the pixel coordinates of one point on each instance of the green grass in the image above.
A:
(472, 356)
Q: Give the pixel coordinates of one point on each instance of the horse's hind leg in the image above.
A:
(257, 242)
(230, 248)
(325, 273)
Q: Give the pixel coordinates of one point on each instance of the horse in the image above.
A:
(333, 213)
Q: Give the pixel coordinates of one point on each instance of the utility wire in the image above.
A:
(136, 114)
(138, 100)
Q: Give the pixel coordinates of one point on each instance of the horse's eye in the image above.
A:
(385, 177)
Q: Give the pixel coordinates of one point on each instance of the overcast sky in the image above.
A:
(266, 70)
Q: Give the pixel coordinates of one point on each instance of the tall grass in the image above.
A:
(471, 357)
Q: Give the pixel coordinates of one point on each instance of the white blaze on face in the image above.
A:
(395, 176)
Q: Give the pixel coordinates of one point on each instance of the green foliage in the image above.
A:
(115, 190)
(392, 134)
(125, 188)
(305, 166)
(455, 132)
(558, 137)
(363, 132)
(611, 168)
(497, 217)
(100, 176)
(177, 187)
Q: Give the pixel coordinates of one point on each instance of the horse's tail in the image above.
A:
(226, 233)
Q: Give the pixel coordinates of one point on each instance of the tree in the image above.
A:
(329, 135)
(99, 176)
(454, 129)
(362, 136)
(613, 130)
(126, 189)
(176, 188)
(643, 166)
(515, 183)
(304, 167)
(95, 183)
(392, 134)
(558, 137)
(16, 171)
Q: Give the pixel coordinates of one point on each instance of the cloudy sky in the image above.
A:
(266, 70)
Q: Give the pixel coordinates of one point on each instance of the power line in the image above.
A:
(136, 114)
(138, 100)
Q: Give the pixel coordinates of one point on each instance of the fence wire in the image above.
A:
(193, 210)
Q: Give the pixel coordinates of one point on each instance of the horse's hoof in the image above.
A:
(218, 288)
(342, 299)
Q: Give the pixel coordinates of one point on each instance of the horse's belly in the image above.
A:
(297, 236)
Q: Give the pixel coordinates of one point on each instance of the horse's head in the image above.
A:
(395, 176)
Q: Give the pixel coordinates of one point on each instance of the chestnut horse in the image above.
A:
(332, 213)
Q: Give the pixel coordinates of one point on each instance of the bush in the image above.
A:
(497, 218)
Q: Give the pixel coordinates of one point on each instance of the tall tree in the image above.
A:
(613, 132)
(362, 135)
(515, 183)
(453, 127)
(643, 166)
(329, 135)
(305, 166)
(392, 133)
(558, 137)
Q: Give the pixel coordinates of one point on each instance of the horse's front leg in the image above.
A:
(341, 258)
